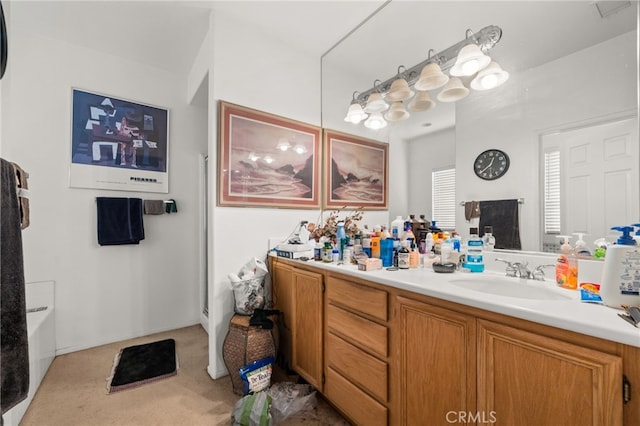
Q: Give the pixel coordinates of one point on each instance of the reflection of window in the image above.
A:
(552, 192)
(443, 198)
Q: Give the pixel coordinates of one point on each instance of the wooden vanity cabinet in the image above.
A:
(529, 379)
(298, 294)
(383, 355)
(357, 350)
(436, 364)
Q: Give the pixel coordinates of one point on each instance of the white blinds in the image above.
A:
(552, 192)
(443, 201)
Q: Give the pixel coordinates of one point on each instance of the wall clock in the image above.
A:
(3, 43)
(491, 164)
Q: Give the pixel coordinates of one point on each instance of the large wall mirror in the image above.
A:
(572, 89)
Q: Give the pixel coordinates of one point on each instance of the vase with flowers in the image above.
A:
(329, 229)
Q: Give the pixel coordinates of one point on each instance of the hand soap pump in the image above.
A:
(581, 249)
(620, 285)
(566, 265)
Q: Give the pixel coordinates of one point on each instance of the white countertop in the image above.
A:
(565, 313)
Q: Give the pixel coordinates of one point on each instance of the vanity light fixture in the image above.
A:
(397, 112)
(300, 149)
(453, 91)
(465, 58)
(355, 114)
(421, 102)
(492, 76)
(375, 121)
(399, 90)
(375, 103)
(470, 60)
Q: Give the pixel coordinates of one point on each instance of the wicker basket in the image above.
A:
(243, 345)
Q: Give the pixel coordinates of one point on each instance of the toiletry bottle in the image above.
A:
(474, 261)
(341, 240)
(446, 247)
(375, 247)
(581, 251)
(396, 227)
(488, 238)
(335, 256)
(366, 244)
(403, 256)
(620, 283)
(566, 265)
(327, 252)
(415, 225)
(414, 257)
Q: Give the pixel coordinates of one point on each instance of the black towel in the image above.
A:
(503, 216)
(120, 221)
(14, 356)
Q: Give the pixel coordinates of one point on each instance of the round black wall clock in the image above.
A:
(491, 164)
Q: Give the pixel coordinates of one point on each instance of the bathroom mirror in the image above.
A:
(572, 65)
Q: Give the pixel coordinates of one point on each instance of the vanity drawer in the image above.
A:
(357, 366)
(356, 404)
(367, 333)
(358, 297)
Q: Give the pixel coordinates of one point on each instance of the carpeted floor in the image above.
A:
(74, 391)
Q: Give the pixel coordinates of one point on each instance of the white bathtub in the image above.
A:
(42, 343)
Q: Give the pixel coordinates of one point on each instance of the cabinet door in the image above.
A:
(528, 379)
(437, 364)
(282, 288)
(307, 326)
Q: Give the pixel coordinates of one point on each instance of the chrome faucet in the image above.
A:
(523, 270)
(538, 272)
(511, 270)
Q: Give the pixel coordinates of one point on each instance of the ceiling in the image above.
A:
(168, 33)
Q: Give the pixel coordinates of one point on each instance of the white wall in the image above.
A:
(589, 85)
(111, 293)
(428, 153)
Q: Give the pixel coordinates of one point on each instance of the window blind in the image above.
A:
(443, 198)
(552, 192)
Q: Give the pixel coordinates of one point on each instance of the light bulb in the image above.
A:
(470, 67)
(489, 81)
(375, 122)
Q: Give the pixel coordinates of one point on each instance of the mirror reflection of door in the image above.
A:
(598, 168)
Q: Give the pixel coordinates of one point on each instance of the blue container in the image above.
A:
(386, 252)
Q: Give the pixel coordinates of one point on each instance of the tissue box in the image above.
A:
(370, 264)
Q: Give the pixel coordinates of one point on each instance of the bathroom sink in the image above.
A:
(513, 287)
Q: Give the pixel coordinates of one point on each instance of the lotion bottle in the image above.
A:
(620, 283)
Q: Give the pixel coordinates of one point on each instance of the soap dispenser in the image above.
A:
(581, 251)
(566, 265)
(620, 284)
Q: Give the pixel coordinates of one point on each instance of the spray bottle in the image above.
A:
(566, 265)
(620, 284)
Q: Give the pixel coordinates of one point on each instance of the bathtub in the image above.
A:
(42, 342)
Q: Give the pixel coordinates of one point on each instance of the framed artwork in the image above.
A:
(118, 144)
(266, 160)
(355, 172)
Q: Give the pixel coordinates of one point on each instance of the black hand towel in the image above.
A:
(14, 356)
(503, 216)
(120, 221)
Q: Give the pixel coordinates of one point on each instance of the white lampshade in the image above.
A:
(355, 114)
(397, 112)
(492, 76)
(453, 91)
(399, 91)
(470, 60)
(431, 77)
(421, 102)
(375, 103)
(375, 121)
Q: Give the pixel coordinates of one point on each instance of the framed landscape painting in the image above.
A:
(118, 144)
(355, 172)
(266, 160)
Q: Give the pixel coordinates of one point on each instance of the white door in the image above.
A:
(599, 177)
